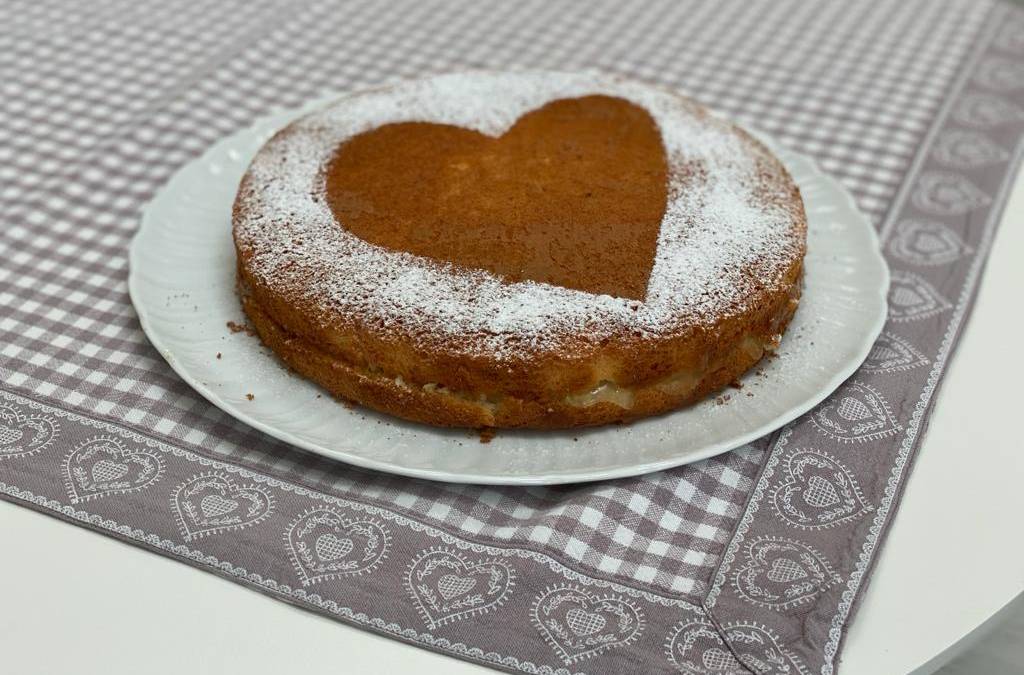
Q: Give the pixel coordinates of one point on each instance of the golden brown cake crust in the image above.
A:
(454, 346)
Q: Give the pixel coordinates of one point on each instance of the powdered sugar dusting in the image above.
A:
(724, 235)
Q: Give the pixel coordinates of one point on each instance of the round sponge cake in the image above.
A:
(518, 249)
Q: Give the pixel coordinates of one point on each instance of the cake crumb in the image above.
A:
(487, 434)
(219, 355)
(236, 327)
(250, 396)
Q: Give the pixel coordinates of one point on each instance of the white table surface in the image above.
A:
(72, 601)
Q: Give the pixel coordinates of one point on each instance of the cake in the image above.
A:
(537, 250)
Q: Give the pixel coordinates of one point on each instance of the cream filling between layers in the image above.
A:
(679, 383)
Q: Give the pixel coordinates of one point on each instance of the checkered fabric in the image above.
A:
(101, 102)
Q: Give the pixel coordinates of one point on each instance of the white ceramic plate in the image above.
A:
(182, 277)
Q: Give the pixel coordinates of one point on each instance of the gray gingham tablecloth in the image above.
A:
(749, 562)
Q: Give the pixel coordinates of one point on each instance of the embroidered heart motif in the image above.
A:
(986, 110)
(784, 570)
(210, 503)
(1001, 74)
(967, 149)
(106, 466)
(947, 194)
(22, 434)
(329, 548)
(912, 298)
(447, 587)
(215, 505)
(892, 353)
(450, 585)
(325, 544)
(855, 413)
(926, 243)
(817, 492)
(556, 199)
(578, 624)
(695, 647)
(781, 573)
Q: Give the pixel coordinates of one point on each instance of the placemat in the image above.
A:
(749, 562)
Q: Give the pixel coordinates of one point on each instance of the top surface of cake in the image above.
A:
(483, 214)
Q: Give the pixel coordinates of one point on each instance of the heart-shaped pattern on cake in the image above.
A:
(695, 647)
(326, 544)
(817, 492)
(213, 502)
(855, 413)
(106, 466)
(572, 195)
(446, 586)
(578, 624)
(24, 434)
(782, 573)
